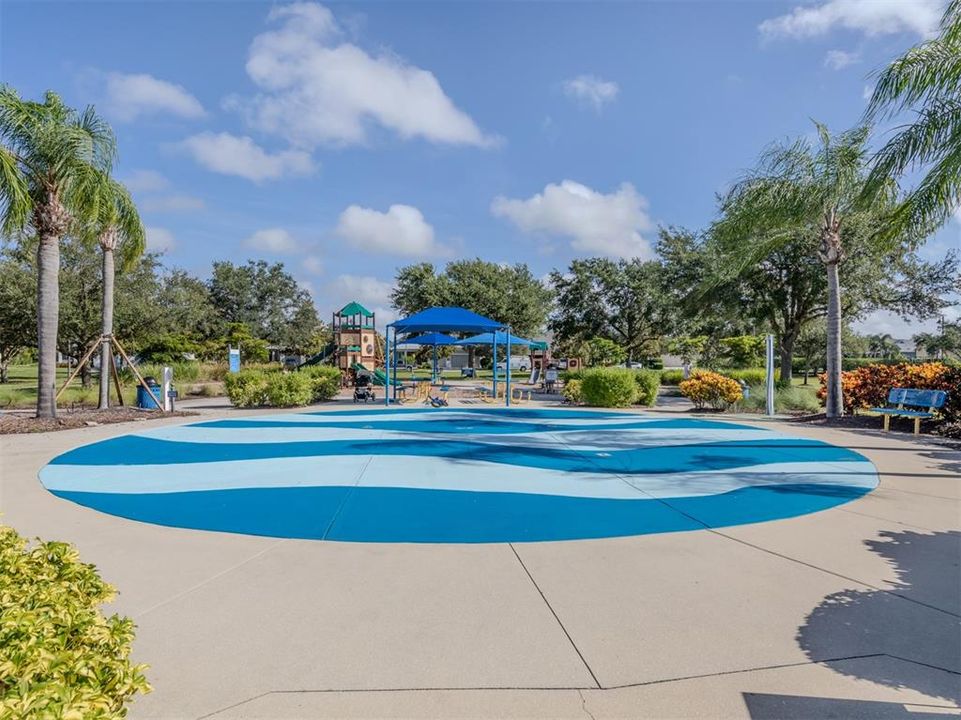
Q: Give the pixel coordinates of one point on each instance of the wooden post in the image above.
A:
(77, 369)
(137, 373)
(116, 378)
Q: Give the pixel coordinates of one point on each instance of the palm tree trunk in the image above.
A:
(48, 317)
(106, 328)
(834, 404)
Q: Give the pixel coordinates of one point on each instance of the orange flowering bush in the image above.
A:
(868, 386)
(710, 388)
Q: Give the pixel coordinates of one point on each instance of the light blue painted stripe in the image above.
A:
(435, 472)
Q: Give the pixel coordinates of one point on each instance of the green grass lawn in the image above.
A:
(21, 391)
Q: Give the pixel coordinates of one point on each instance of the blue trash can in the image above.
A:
(144, 400)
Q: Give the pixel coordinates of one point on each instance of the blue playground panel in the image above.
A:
(458, 475)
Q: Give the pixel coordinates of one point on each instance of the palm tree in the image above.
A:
(52, 160)
(117, 226)
(884, 346)
(927, 81)
(807, 188)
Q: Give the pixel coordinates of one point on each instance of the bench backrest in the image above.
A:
(917, 398)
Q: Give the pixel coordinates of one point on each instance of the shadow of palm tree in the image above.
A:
(918, 622)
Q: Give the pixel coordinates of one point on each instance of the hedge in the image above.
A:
(868, 386)
(59, 656)
(609, 387)
(259, 388)
(648, 383)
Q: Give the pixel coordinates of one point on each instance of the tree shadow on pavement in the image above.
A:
(918, 622)
(764, 706)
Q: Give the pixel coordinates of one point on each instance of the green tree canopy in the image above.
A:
(509, 294)
(620, 300)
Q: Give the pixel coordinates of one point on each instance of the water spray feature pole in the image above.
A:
(769, 367)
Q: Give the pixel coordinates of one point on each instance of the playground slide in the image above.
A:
(319, 357)
(380, 378)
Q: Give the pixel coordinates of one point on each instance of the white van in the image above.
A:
(518, 362)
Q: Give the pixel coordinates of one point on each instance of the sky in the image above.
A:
(349, 139)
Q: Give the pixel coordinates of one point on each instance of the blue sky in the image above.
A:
(348, 139)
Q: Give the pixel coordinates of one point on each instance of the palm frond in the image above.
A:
(15, 203)
(924, 72)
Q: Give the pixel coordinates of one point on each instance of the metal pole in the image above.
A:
(494, 365)
(770, 374)
(433, 375)
(508, 393)
(387, 365)
(393, 379)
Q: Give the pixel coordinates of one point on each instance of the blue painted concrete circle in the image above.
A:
(461, 475)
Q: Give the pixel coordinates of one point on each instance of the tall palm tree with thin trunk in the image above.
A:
(118, 230)
(52, 161)
(925, 81)
(807, 188)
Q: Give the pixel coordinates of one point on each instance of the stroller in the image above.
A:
(363, 388)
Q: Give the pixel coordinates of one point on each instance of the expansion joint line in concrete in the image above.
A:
(554, 613)
(580, 689)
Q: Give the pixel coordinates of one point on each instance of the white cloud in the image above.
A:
(318, 89)
(364, 289)
(872, 17)
(171, 203)
(591, 90)
(131, 96)
(232, 155)
(840, 59)
(160, 239)
(146, 181)
(272, 240)
(401, 230)
(596, 223)
(313, 264)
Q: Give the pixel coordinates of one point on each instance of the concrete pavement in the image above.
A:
(850, 612)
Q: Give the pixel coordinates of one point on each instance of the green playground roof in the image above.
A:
(355, 308)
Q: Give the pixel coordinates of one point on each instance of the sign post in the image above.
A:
(233, 358)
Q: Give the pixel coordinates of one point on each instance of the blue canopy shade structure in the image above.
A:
(500, 337)
(432, 338)
(445, 319)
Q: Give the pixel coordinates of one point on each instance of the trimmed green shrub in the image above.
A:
(609, 387)
(247, 388)
(648, 383)
(59, 656)
(752, 376)
(672, 377)
(568, 375)
(572, 391)
(325, 382)
(289, 390)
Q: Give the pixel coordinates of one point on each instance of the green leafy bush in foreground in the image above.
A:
(609, 387)
(324, 380)
(247, 388)
(289, 390)
(648, 383)
(273, 388)
(59, 656)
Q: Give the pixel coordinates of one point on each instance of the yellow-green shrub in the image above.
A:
(710, 388)
(289, 389)
(59, 656)
(572, 391)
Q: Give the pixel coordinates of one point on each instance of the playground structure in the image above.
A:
(355, 346)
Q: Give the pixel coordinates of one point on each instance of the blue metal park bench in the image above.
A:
(913, 403)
